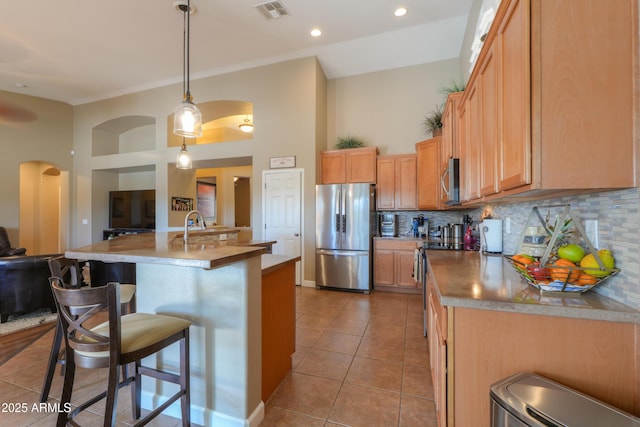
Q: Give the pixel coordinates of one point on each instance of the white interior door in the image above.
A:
(282, 206)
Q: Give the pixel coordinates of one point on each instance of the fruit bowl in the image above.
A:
(558, 276)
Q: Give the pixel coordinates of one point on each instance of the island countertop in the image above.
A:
(167, 248)
(472, 280)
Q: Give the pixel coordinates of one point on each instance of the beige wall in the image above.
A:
(386, 109)
(47, 138)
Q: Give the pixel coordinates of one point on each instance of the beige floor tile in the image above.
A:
(417, 412)
(298, 356)
(416, 351)
(416, 381)
(362, 406)
(338, 342)
(307, 394)
(382, 374)
(313, 322)
(384, 348)
(325, 364)
(278, 417)
(307, 337)
(352, 327)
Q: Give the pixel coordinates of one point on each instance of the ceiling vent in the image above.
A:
(272, 9)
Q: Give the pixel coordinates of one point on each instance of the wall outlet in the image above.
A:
(591, 228)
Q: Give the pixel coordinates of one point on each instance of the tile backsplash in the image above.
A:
(618, 215)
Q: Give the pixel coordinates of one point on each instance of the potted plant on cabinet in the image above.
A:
(433, 121)
(349, 142)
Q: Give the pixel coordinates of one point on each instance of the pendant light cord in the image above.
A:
(187, 37)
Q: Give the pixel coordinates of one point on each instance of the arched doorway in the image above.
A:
(44, 213)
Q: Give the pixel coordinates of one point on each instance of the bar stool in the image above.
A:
(71, 275)
(123, 339)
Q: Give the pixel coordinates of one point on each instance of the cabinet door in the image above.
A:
(438, 358)
(385, 186)
(403, 263)
(405, 182)
(470, 155)
(450, 147)
(515, 89)
(361, 165)
(428, 173)
(333, 166)
(489, 155)
(383, 267)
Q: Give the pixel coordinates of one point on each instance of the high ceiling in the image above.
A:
(79, 51)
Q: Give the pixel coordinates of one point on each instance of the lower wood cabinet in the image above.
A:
(437, 336)
(393, 264)
(278, 326)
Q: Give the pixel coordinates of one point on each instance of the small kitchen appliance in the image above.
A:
(491, 236)
(388, 225)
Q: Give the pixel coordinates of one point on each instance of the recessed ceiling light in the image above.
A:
(401, 11)
(316, 32)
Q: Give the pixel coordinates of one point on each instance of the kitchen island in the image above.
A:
(218, 287)
(485, 324)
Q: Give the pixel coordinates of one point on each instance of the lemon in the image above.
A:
(591, 267)
(571, 252)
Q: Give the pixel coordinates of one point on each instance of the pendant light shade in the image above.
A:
(187, 119)
(183, 161)
(246, 126)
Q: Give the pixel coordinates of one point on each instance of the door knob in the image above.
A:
(296, 234)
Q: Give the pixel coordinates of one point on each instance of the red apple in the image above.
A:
(537, 272)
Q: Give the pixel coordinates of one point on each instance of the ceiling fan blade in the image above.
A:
(15, 113)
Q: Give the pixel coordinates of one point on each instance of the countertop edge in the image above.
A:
(543, 310)
(274, 262)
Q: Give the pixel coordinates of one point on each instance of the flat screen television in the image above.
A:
(132, 209)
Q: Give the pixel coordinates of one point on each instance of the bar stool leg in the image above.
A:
(53, 361)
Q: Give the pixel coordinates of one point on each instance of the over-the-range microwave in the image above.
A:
(450, 181)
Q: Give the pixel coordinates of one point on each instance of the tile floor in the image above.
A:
(361, 360)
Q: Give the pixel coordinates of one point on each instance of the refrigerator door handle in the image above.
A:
(344, 223)
(340, 252)
(337, 223)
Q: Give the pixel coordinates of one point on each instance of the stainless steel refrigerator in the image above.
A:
(345, 226)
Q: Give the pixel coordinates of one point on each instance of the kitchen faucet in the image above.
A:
(199, 220)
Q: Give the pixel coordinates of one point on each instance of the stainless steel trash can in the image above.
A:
(527, 399)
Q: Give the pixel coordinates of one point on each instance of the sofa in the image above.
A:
(24, 285)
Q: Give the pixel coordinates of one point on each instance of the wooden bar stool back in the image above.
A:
(69, 271)
(121, 340)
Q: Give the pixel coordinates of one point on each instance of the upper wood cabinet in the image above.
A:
(396, 182)
(429, 184)
(555, 87)
(348, 165)
(451, 137)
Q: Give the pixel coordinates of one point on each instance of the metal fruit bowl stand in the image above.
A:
(563, 274)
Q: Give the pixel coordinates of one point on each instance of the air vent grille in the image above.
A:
(272, 9)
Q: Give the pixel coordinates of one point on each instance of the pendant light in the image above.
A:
(187, 119)
(247, 126)
(183, 161)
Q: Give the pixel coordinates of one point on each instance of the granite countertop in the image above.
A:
(273, 262)
(165, 248)
(473, 280)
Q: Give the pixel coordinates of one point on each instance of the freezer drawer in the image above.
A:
(527, 399)
(343, 269)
